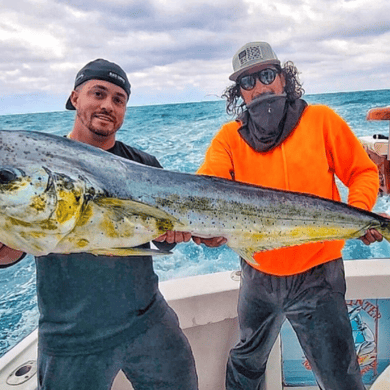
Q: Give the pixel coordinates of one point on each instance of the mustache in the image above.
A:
(105, 113)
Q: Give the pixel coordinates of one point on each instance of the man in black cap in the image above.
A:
(101, 314)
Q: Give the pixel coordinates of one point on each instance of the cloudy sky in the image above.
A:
(181, 50)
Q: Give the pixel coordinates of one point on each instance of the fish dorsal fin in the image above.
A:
(125, 207)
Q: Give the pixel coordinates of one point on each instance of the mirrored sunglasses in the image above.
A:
(266, 76)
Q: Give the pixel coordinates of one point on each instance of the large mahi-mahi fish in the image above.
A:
(58, 195)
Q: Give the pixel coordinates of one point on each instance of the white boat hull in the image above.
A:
(206, 307)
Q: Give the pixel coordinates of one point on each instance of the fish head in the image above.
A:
(71, 199)
(26, 194)
(38, 207)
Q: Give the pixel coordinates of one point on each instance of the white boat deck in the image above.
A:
(206, 306)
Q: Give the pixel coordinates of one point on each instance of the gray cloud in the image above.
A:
(152, 15)
(171, 46)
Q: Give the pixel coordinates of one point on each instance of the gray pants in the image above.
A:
(314, 303)
(160, 359)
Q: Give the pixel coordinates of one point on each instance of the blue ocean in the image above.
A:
(178, 135)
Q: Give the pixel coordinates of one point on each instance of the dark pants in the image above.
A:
(314, 303)
(160, 359)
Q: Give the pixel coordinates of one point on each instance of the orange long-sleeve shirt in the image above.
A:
(320, 148)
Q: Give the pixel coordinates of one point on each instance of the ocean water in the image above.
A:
(178, 135)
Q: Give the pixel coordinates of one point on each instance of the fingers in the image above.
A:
(177, 237)
(197, 240)
(181, 237)
(372, 235)
(9, 255)
(377, 236)
(210, 242)
(174, 237)
(161, 238)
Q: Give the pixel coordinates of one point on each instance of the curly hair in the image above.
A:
(293, 90)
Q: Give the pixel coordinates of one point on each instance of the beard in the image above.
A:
(97, 126)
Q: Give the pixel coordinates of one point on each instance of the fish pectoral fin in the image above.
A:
(126, 207)
(129, 252)
(245, 253)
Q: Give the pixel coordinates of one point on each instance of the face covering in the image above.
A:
(269, 120)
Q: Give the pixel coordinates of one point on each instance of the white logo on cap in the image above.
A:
(80, 76)
(117, 77)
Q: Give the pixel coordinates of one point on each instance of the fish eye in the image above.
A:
(7, 176)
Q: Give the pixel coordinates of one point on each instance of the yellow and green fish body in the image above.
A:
(63, 196)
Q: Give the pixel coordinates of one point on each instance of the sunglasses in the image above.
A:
(266, 76)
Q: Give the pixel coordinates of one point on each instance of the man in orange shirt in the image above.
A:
(280, 141)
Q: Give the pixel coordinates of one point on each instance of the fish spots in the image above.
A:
(82, 243)
(11, 222)
(113, 202)
(48, 225)
(69, 199)
(323, 232)
(38, 234)
(183, 205)
(67, 209)
(113, 227)
(163, 225)
(86, 215)
(314, 232)
(38, 203)
(42, 226)
(107, 226)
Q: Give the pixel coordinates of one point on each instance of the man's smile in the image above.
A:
(104, 117)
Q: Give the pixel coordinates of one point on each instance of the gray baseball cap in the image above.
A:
(101, 70)
(252, 55)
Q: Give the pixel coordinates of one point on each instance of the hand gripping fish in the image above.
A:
(63, 196)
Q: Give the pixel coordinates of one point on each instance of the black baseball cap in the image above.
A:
(101, 70)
